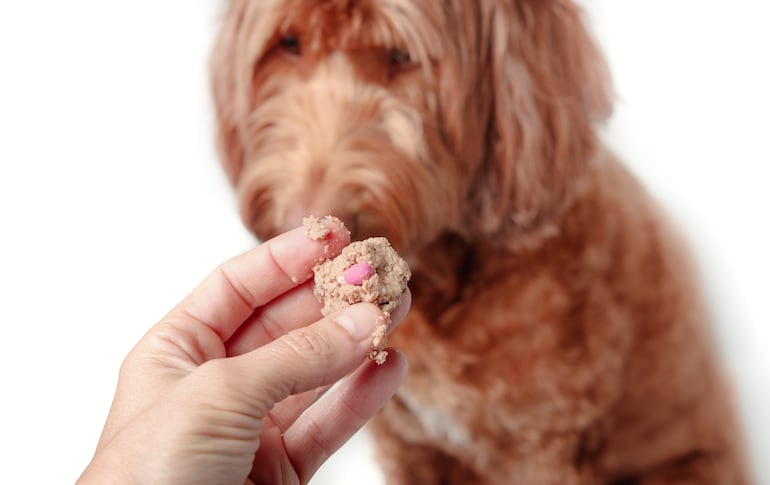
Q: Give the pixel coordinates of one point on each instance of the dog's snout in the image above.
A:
(294, 217)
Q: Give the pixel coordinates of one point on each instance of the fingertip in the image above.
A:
(358, 320)
(401, 310)
(296, 251)
(338, 235)
(389, 374)
(336, 417)
(397, 360)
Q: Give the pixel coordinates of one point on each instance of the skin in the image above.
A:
(220, 390)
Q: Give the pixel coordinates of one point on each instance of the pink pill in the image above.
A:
(357, 274)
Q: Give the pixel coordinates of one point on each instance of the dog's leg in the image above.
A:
(693, 469)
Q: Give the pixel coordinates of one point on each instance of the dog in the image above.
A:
(557, 333)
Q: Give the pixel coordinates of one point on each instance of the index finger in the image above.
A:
(231, 293)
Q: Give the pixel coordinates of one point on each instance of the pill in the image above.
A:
(356, 274)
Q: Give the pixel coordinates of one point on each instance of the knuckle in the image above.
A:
(306, 343)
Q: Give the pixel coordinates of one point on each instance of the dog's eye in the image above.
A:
(399, 58)
(290, 44)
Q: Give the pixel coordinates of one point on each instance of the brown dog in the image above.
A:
(556, 334)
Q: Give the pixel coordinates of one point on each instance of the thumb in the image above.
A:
(310, 357)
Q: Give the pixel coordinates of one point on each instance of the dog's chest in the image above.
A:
(437, 423)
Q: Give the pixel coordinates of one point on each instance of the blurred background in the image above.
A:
(113, 205)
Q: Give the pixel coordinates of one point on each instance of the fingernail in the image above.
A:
(357, 320)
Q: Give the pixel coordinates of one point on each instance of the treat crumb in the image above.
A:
(294, 280)
(379, 356)
(379, 339)
(378, 336)
(314, 228)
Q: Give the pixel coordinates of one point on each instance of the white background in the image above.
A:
(112, 204)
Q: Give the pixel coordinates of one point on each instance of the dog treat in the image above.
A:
(365, 271)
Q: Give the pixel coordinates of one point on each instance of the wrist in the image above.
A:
(108, 468)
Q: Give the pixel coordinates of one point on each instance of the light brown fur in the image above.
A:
(557, 334)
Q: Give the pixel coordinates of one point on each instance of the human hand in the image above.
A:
(215, 392)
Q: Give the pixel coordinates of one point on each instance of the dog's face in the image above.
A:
(404, 118)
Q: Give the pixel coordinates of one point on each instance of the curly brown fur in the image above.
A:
(556, 334)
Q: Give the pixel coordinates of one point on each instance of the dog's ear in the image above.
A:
(243, 37)
(551, 87)
(223, 83)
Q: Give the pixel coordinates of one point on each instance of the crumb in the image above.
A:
(314, 228)
(378, 337)
(294, 280)
(379, 356)
(385, 284)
